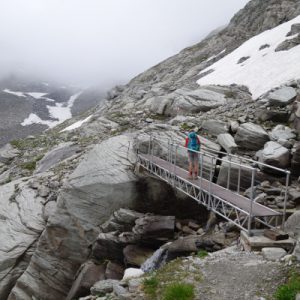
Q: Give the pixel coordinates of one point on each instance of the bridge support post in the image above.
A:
(251, 202)
(285, 198)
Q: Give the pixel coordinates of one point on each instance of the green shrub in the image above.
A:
(289, 290)
(150, 286)
(30, 165)
(202, 253)
(179, 291)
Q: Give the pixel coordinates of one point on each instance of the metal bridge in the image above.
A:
(224, 180)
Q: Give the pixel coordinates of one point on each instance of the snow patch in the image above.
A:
(264, 70)
(19, 94)
(61, 112)
(77, 124)
(37, 95)
(34, 119)
(214, 56)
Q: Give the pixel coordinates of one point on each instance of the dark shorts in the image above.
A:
(193, 157)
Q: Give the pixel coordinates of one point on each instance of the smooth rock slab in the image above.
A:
(21, 223)
(273, 254)
(251, 136)
(102, 183)
(56, 155)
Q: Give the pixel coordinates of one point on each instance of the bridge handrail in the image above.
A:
(229, 155)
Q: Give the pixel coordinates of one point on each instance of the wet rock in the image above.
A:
(227, 142)
(282, 96)
(251, 136)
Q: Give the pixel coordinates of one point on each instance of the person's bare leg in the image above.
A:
(196, 169)
(190, 170)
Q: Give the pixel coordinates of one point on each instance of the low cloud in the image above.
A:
(101, 41)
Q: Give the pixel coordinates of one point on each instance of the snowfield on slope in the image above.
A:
(265, 69)
(60, 112)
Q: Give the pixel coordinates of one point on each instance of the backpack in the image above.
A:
(193, 143)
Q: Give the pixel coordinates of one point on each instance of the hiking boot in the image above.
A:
(190, 177)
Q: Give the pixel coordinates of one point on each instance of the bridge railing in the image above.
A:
(238, 174)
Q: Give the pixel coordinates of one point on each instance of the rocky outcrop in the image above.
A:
(186, 101)
(21, 223)
(251, 136)
(103, 182)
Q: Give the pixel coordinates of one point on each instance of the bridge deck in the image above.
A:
(240, 201)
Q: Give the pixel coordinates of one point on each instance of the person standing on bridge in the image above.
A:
(192, 143)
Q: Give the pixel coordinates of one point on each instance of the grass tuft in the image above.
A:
(179, 291)
(289, 290)
(202, 253)
(150, 286)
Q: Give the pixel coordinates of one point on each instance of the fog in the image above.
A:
(104, 42)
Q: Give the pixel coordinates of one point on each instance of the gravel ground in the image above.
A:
(234, 275)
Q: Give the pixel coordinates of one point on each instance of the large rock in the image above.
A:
(251, 136)
(154, 229)
(214, 127)
(275, 155)
(297, 115)
(136, 255)
(7, 153)
(273, 254)
(87, 276)
(292, 225)
(194, 101)
(185, 100)
(282, 96)
(274, 115)
(21, 223)
(102, 183)
(226, 140)
(296, 159)
(281, 132)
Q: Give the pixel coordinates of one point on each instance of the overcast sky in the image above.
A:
(102, 41)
